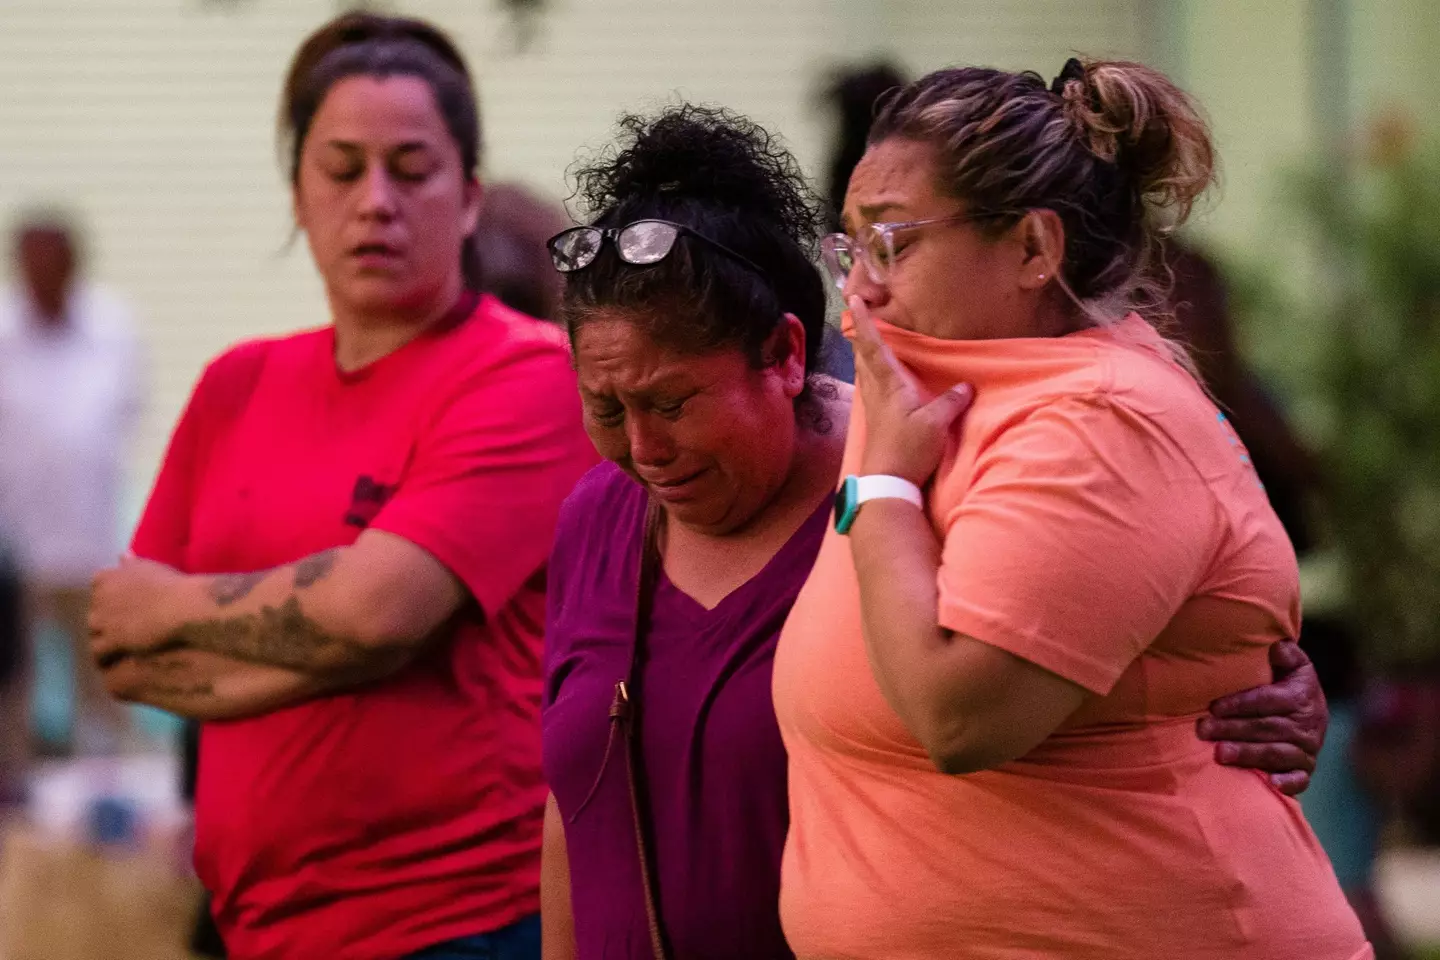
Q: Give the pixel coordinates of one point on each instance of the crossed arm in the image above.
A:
(234, 645)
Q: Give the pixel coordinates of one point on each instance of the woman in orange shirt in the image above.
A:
(988, 689)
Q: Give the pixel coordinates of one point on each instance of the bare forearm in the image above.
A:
(292, 617)
(896, 557)
(275, 617)
(207, 686)
(362, 610)
(557, 918)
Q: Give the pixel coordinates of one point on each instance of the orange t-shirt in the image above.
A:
(1100, 519)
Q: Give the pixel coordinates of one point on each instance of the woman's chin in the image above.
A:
(696, 514)
(378, 292)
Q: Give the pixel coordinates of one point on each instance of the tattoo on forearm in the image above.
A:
(184, 691)
(314, 568)
(280, 636)
(163, 687)
(232, 587)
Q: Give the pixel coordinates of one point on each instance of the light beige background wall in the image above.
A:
(1248, 63)
(1268, 78)
(154, 120)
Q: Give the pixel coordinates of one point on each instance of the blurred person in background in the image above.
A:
(1397, 746)
(1289, 471)
(1340, 808)
(343, 555)
(12, 641)
(70, 395)
(694, 308)
(851, 94)
(511, 259)
(1343, 806)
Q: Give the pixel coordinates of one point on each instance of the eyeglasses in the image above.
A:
(641, 243)
(874, 246)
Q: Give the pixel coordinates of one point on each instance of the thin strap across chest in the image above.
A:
(625, 711)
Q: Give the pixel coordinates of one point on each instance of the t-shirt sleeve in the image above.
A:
(163, 533)
(164, 528)
(595, 520)
(489, 474)
(1083, 531)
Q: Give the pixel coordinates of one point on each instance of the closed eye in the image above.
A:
(413, 168)
(608, 416)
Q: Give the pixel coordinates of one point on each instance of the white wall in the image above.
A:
(1248, 63)
(155, 118)
(1018, 34)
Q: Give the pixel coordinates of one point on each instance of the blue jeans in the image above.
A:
(519, 941)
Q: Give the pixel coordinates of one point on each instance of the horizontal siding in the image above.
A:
(155, 120)
(1018, 34)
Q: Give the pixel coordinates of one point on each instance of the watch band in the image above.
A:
(857, 490)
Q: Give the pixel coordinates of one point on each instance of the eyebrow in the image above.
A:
(874, 211)
(409, 146)
(871, 212)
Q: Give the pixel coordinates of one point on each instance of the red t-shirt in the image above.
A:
(373, 823)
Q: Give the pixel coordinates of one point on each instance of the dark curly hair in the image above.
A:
(726, 177)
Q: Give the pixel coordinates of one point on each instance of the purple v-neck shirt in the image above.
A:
(713, 761)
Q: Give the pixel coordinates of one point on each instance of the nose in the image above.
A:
(650, 443)
(377, 194)
(858, 283)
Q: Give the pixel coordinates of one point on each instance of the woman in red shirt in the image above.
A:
(344, 552)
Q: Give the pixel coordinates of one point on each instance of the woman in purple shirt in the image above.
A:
(696, 314)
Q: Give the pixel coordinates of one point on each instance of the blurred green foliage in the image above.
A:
(1359, 337)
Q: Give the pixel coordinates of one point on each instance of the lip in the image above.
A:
(375, 253)
(678, 488)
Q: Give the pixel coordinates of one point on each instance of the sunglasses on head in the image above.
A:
(640, 243)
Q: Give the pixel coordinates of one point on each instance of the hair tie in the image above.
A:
(1073, 70)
